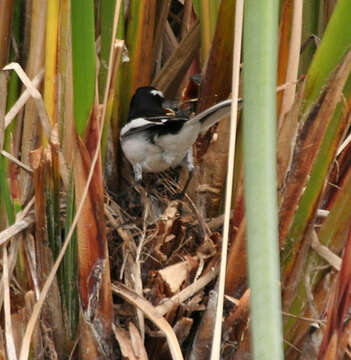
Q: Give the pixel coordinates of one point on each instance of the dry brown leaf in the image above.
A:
(186, 293)
(287, 133)
(175, 275)
(154, 315)
(331, 351)
(333, 259)
(237, 320)
(172, 72)
(201, 347)
(124, 342)
(137, 342)
(236, 267)
(94, 273)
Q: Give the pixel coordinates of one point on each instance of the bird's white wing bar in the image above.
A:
(138, 125)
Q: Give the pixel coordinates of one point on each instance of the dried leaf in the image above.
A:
(153, 315)
(94, 273)
(172, 73)
(124, 342)
(137, 342)
(175, 275)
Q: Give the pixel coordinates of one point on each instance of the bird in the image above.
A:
(154, 141)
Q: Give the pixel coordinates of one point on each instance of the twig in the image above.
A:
(186, 293)
(312, 320)
(216, 345)
(334, 260)
(22, 99)
(149, 310)
(38, 100)
(10, 343)
(16, 161)
(23, 220)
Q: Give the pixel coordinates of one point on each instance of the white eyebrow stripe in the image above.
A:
(157, 92)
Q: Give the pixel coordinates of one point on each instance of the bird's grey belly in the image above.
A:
(151, 157)
(163, 152)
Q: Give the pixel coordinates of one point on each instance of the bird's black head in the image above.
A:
(147, 101)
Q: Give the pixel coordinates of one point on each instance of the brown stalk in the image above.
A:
(236, 323)
(93, 263)
(236, 266)
(6, 11)
(293, 62)
(41, 164)
(172, 72)
(284, 41)
(215, 86)
(170, 42)
(65, 80)
(338, 309)
(287, 133)
(35, 63)
(216, 83)
(160, 28)
(140, 65)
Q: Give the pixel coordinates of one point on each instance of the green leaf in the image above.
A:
(83, 60)
(336, 41)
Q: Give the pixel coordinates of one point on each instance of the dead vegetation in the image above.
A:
(92, 267)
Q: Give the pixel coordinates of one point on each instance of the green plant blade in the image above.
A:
(260, 73)
(83, 61)
(336, 41)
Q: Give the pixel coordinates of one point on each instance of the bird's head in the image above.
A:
(147, 101)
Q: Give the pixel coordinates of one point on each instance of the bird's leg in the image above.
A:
(188, 162)
(138, 173)
(138, 177)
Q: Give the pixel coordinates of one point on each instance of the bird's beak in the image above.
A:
(169, 111)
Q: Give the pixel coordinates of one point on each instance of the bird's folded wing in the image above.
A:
(136, 126)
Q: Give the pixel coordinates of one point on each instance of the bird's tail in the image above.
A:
(212, 115)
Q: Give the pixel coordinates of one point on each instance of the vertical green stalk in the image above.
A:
(208, 13)
(260, 74)
(107, 20)
(336, 41)
(309, 27)
(83, 61)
